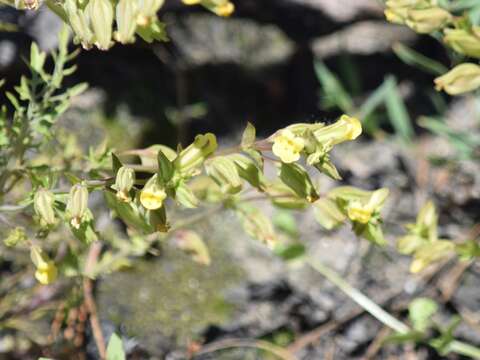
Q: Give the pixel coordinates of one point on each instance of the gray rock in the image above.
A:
(364, 38)
(206, 39)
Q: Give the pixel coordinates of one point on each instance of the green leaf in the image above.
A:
(166, 168)
(374, 101)
(420, 312)
(397, 112)
(296, 178)
(285, 221)
(248, 137)
(334, 93)
(115, 348)
(290, 252)
(116, 163)
(77, 89)
(414, 58)
(328, 214)
(248, 170)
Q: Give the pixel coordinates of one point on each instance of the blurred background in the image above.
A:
(273, 63)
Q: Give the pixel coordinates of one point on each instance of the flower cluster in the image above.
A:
(362, 208)
(426, 16)
(315, 141)
(422, 240)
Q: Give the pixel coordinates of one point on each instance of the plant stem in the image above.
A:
(362, 300)
(377, 312)
(465, 349)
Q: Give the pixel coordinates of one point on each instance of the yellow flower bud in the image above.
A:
(153, 194)
(427, 20)
(287, 146)
(345, 129)
(463, 41)
(195, 154)
(77, 204)
(461, 79)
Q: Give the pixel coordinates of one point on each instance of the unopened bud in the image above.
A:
(427, 20)
(101, 15)
(77, 204)
(463, 41)
(43, 204)
(462, 78)
(80, 22)
(126, 13)
(195, 154)
(124, 182)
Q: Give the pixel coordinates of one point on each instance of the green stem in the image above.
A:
(465, 349)
(362, 300)
(381, 315)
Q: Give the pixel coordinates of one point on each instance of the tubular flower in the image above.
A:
(153, 194)
(46, 270)
(287, 146)
(196, 153)
(461, 79)
(345, 129)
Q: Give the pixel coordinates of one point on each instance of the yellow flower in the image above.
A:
(153, 195)
(287, 146)
(219, 7)
(358, 212)
(225, 9)
(46, 272)
(461, 79)
(345, 129)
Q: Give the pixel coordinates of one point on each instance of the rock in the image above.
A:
(206, 39)
(363, 38)
(342, 10)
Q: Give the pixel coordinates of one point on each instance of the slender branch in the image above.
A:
(92, 258)
(242, 343)
(381, 315)
(362, 300)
